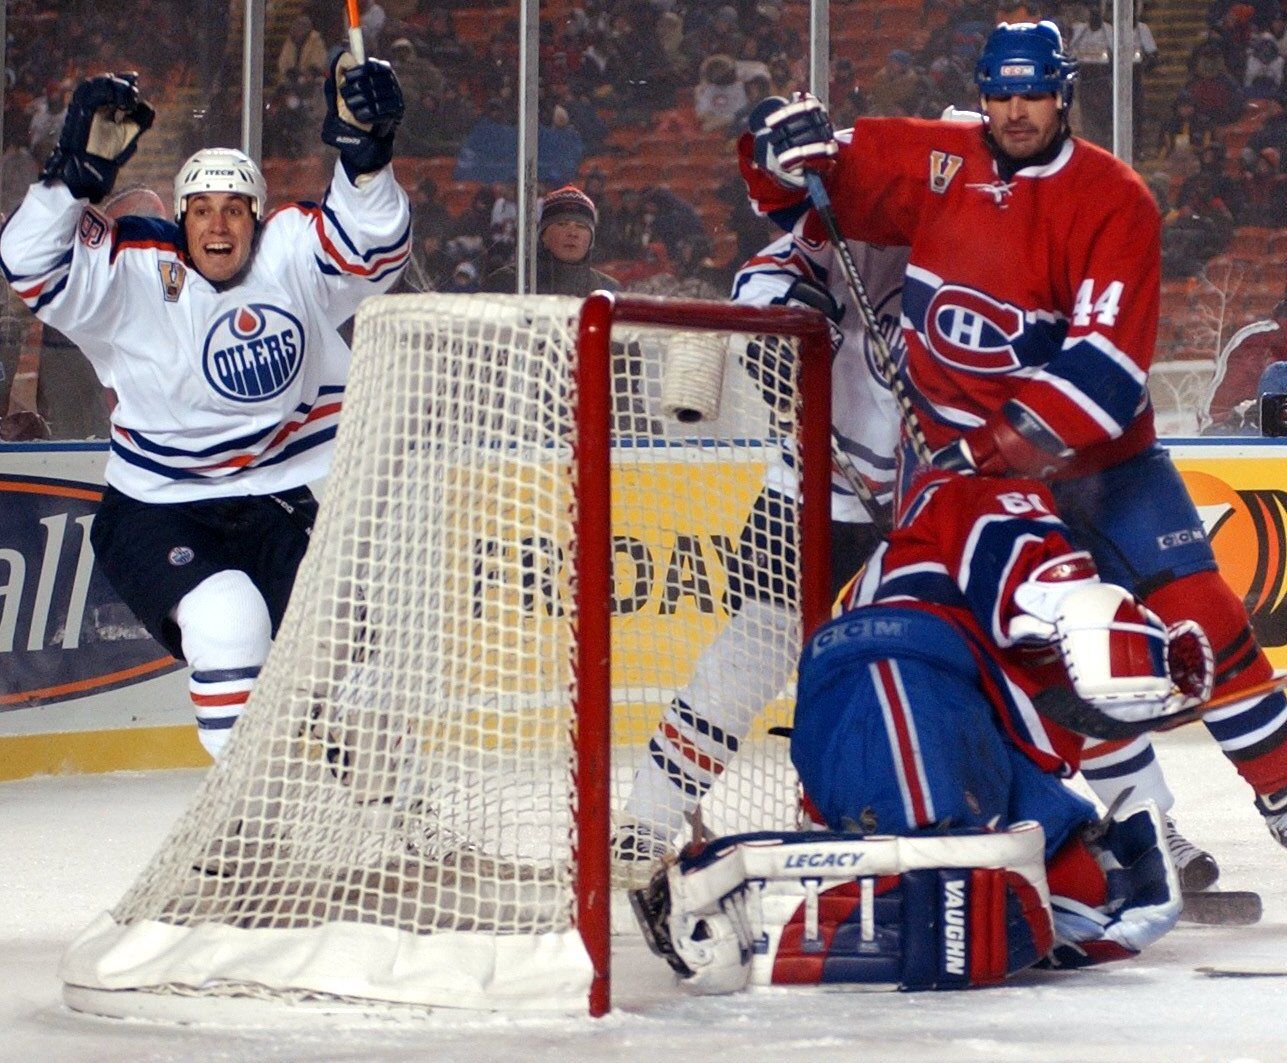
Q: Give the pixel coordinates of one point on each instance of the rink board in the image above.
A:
(84, 689)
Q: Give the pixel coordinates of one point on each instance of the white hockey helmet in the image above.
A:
(220, 170)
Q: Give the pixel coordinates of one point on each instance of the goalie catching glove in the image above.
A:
(362, 115)
(793, 137)
(105, 119)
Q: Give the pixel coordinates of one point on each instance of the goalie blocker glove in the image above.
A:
(105, 119)
(362, 116)
(793, 137)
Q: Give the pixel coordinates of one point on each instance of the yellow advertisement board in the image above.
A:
(1241, 495)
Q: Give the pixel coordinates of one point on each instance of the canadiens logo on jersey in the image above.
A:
(172, 277)
(253, 352)
(972, 331)
(943, 168)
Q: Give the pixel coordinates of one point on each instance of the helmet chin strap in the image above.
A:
(1008, 165)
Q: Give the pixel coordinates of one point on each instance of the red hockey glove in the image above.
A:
(997, 448)
(793, 137)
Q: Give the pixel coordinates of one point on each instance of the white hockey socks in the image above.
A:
(707, 720)
(226, 636)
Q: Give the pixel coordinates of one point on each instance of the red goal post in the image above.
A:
(415, 809)
(594, 520)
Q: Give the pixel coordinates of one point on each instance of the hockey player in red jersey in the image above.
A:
(1030, 314)
(918, 716)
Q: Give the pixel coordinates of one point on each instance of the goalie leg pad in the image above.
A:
(933, 912)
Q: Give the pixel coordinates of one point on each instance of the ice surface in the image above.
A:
(73, 845)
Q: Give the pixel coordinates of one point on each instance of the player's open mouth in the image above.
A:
(218, 249)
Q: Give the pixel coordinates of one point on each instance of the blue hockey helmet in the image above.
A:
(1027, 57)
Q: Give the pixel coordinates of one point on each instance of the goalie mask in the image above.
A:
(220, 170)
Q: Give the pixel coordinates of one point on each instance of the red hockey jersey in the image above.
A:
(962, 546)
(1043, 289)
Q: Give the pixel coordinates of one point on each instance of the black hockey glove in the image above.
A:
(105, 119)
(363, 116)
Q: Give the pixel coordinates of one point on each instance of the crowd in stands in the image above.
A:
(698, 68)
(615, 72)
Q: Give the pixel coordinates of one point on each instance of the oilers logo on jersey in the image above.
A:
(971, 331)
(253, 352)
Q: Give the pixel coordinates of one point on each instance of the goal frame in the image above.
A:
(592, 664)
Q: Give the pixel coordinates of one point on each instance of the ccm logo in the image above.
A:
(1181, 538)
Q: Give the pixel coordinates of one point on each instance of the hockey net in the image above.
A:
(516, 565)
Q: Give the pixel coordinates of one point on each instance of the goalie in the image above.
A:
(959, 855)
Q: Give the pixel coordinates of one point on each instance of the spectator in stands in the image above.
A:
(717, 35)
(1212, 165)
(442, 44)
(1091, 45)
(303, 54)
(749, 64)
(669, 219)
(1263, 79)
(719, 95)
(1216, 94)
(470, 231)
(896, 90)
(1264, 192)
(1184, 134)
(1249, 352)
(582, 115)
(785, 80)
(1271, 134)
(1198, 228)
(289, 126)
(757, 88)
(624, 226)
(428, 211)
(47, 115)
(566, 224)
(670, 40)
(449, 117)
(463, 280)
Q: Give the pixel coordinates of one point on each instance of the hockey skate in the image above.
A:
(1196, 868)
(636, 849)
(1274, 808)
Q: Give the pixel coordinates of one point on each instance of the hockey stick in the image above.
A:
(355, 31)
(821, 201)
(1064, 706)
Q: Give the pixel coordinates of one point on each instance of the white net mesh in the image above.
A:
(394, 816)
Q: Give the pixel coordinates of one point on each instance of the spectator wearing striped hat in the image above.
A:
(566, 223)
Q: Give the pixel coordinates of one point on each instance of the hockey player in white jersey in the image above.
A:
(219, 335)
(709, 717)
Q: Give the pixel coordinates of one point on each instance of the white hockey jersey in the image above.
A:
(864, 416)
(221, 391)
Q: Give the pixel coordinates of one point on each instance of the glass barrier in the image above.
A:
(640, 106)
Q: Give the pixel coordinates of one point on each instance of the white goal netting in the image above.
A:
(394, 819)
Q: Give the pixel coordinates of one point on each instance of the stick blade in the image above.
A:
(1222, 908)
